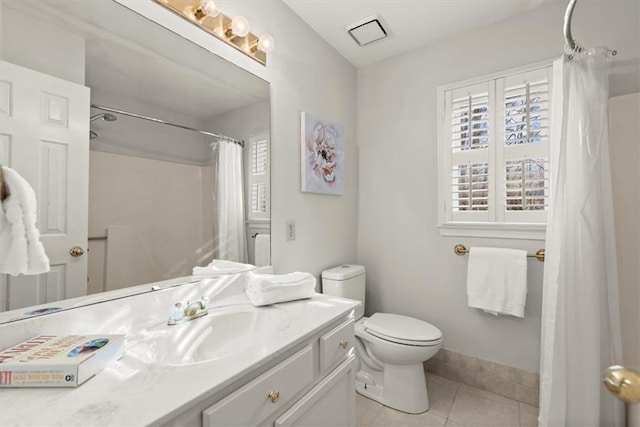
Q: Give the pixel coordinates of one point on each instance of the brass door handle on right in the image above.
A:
(623, 383)
(76, 251)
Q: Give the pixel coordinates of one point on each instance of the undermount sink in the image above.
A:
(223, 333)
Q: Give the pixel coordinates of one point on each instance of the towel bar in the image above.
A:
(462, 250)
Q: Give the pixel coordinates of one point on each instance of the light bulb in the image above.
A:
(209, 8)
(266, 43)
(240, 26)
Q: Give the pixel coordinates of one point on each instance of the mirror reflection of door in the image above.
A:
(151, 210)
(45, 138)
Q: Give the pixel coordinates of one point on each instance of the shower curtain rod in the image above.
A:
(566, 29)
(568, 38)
(164, 122)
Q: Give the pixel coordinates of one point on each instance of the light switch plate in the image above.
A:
(291, 229)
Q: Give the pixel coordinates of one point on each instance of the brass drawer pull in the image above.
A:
(344, 344)
(274, 396)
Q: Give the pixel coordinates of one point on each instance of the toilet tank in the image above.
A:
(347, 281)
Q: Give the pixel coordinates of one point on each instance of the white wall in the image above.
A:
(142, 138)
(411, 269)
(624, 131)
(41, 47)
(150, 211)
(306, 74)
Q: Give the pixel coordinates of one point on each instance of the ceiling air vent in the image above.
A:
(367, 31)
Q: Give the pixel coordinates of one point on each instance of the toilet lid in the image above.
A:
(397, 327)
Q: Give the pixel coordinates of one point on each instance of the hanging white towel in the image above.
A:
(266, 289)
(497, 280)
(262, 250)
(21, 251)
(220, 266)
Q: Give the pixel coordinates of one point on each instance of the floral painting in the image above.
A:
(322, 155)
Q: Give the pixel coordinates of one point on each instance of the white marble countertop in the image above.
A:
(147, 386)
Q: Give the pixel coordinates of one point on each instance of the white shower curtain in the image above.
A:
(580, 312)
(229, 236)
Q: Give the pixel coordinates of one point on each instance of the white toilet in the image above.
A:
(391, 348)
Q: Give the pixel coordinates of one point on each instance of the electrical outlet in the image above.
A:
(291, 229)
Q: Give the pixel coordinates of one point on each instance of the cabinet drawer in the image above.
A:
(252, 403)
(336, 344)
(330, 403)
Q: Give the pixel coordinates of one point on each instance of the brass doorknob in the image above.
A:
(344, 344)
(274, 396)
(623, 383)
(76, 251)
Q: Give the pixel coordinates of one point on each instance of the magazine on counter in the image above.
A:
(58, 361)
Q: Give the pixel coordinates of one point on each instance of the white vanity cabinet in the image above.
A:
(292, 364)
(311, 385)
(264, 395)
(330, 403)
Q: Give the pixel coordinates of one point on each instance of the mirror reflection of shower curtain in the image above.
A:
(229, 236)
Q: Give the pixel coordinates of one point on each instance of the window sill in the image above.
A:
(259, 223)
(494, 230)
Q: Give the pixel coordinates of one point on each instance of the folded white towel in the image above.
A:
(262, 250)
(265, 289)
(497, 280)
(21, 251)
(220, 266)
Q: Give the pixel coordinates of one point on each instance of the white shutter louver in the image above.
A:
(259, 157)
(470, 122)
(258, 198)
(525, 170)
(526, 184)
(526, 112)
(470, 187)
(259, 177)
(469, 129)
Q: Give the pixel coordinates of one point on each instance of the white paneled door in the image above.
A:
(44, 136)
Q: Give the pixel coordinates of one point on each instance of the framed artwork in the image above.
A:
(322, 150)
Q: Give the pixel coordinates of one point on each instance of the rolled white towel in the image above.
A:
(266, 289)
(220, 266)
(21, 251)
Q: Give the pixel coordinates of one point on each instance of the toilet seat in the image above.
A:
(402, 330)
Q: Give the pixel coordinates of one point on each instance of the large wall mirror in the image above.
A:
(85, 87)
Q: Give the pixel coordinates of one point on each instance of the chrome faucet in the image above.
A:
(181, 313)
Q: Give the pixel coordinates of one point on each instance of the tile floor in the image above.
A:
(452, 404)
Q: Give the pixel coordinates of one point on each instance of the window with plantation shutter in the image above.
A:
(469, 126)
(526, 99)
(259, 187)
(494, 154)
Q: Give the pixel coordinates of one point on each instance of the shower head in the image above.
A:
(104, 116)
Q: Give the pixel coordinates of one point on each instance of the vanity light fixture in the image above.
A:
(265, 43)
(235, 32)
(239, 27)
(200, 11)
